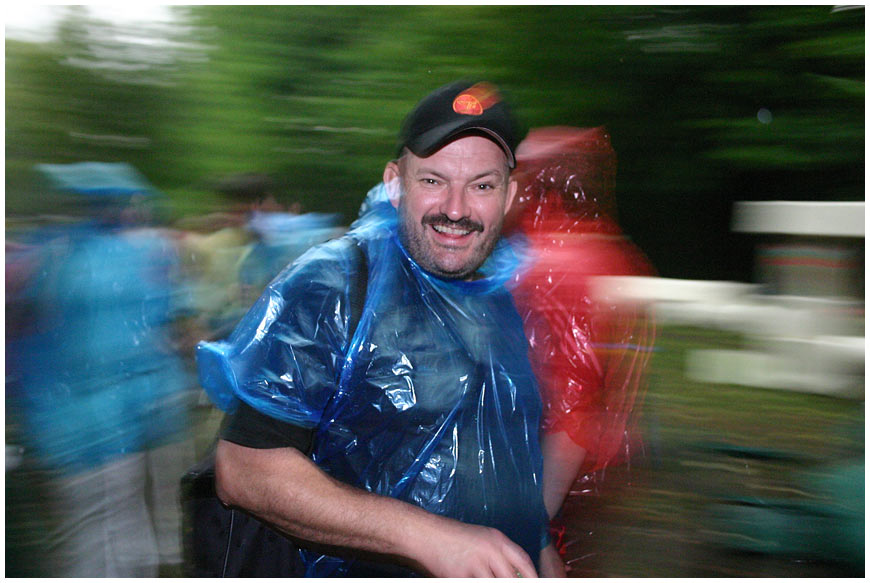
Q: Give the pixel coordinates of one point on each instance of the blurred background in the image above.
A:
(224, 140)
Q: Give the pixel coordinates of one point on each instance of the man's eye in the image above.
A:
(485, 186)
(429, 181)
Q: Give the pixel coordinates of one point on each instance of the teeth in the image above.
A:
(450, 230)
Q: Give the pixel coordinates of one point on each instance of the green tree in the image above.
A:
(705, 105)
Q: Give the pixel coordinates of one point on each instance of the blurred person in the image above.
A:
(100, 392)
(279, 239)
(22, 262)
(230, 256)
(212, 249)
(382, 410)
(19, 266)
(589, 353)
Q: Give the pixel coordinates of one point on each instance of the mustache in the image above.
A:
(463, 223)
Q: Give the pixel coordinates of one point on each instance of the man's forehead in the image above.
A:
(474, 155)
(472, 173)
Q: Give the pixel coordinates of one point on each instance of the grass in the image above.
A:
(705, 443)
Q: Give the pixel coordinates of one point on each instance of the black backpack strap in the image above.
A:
(359, 288)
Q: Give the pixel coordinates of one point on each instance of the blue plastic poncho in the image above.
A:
(94, 375)
(432, 400)
(98, 379)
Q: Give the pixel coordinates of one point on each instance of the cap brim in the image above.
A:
(430, 142)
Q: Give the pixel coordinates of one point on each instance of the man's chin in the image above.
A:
(454, 271)
(459, 264)
(458, 276)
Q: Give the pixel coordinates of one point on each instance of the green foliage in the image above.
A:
(700, 101)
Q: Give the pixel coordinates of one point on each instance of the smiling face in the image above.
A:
(451, 204)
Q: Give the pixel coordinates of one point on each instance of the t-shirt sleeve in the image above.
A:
(250, 428)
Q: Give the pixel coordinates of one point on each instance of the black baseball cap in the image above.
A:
(458, 108)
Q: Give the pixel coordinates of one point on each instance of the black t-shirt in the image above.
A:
(250, 428)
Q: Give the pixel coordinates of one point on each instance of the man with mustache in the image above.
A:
(390, 427)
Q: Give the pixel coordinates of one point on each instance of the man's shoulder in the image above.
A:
(335, 253)
(330, 263)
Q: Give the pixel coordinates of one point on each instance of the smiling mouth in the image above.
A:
(442, 225)
(454, 231)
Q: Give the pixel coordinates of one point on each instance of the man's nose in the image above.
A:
(455, 203)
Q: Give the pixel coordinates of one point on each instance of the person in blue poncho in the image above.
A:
(382, 411)
(99, 393)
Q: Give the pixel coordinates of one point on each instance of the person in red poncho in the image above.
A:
(589, 353)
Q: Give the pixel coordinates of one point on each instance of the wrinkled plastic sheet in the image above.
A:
(92, 376)
(589, 353)
(431, 400)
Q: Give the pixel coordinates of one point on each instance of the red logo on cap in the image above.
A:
(476, 99)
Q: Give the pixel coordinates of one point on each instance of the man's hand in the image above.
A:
(551, 563)
(285, 488)
(456, 549)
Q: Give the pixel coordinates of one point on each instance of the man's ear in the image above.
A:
(392, 182)
(511, 194)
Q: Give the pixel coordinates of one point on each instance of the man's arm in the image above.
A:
(285, 488)
(551, 563)
(562, 461)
